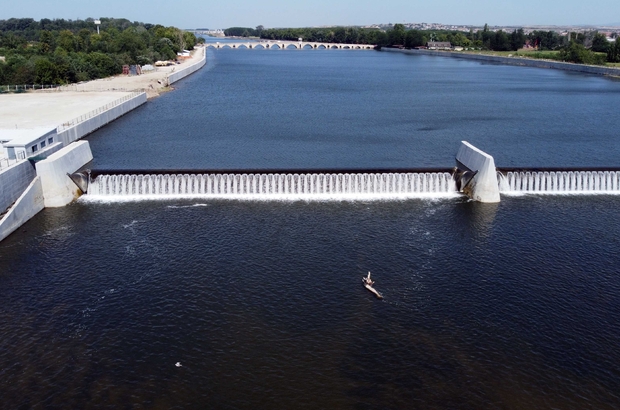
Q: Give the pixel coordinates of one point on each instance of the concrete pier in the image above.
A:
(483, 185)
(58, 188)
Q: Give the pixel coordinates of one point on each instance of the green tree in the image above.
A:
(66, 40)
(517, 39)
(46, 41)
(577, 53)
(45, 72)
(600, 43)
(613, 53)
(396, 36)
(415, 38)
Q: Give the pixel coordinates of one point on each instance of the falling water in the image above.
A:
(276, 186)
(560, 182)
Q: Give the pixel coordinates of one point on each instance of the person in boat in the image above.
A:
(368, 281)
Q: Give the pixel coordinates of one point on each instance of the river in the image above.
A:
(260, 303)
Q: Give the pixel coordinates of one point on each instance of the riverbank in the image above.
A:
(40, 128)
(153, 83)
(517, 61)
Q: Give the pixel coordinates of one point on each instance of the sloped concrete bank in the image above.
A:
(13, 181)
(27, 205)
(516, 61)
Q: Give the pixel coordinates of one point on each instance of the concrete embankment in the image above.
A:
(516, 61)
(99, 118)
(184, 72)
(13, 182)
(29, 203)
(25, 189)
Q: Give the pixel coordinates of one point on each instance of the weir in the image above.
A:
(316, 185)
(560, 181)
(475, 176)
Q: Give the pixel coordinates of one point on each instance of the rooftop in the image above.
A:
(23, 136)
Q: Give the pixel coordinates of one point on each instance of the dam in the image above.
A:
(337, 184)
(284, 185)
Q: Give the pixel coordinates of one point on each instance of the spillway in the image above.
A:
(285, 185)
(560, 182)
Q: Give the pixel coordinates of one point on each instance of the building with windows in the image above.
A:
(24, 143)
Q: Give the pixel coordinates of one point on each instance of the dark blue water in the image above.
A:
(356, 109)
(513, 305)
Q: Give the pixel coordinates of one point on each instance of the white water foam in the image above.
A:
(560, 182)
(273, 187)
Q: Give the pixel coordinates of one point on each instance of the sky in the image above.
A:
(189, 14)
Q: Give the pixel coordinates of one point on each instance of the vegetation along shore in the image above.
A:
(56, 52)
(585, 47)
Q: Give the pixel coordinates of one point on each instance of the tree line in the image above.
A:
(66, 51)
(587, 48)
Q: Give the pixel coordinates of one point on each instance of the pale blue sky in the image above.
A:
(281, 13)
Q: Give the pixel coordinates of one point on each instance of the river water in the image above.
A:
(513, 305)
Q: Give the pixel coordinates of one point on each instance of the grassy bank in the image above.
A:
(535, 54)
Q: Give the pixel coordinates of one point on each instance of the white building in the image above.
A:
(24, 143)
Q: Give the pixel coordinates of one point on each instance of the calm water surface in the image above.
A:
(513, 305)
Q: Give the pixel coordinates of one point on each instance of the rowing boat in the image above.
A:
(368, 285)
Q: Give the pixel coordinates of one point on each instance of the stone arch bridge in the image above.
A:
(283, 45)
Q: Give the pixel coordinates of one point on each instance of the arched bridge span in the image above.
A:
(283, 45)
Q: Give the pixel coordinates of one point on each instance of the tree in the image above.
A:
(600, 43)
(577, 53)
(66, 40)
(45, 72)
(613, 54)
(517, 39)
(46, 41)
(415, 38)
(500, 42)
(396, 36)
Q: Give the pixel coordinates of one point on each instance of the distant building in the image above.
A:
(439, 45)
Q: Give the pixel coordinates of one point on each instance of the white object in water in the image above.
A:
(178, 364)
(368, 285)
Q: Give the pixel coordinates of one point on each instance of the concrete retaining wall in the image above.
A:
(58, 189)
(174, 77)
(27, 205)
(516, 61)
(86, 127)
(13, 181)
(484, 186)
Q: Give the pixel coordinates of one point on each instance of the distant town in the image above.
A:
(611, 32)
